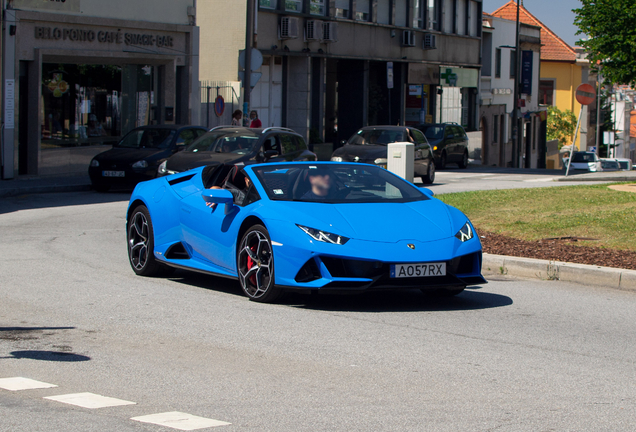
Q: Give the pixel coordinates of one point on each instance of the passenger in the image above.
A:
(238, 193)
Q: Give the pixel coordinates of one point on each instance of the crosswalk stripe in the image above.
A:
(180, 421)
(89, 400)
(19, 383)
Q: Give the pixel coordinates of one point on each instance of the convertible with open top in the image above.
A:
(302, 226)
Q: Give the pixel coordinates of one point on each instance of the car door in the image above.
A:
(422, 153)
(447, 142)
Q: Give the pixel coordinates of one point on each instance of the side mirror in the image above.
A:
(219, 196)
(427, 192)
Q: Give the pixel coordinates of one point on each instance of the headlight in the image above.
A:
(336, 159)
(466, 233)
(162, 170)
(381, 162)
(140, 164)
(324, 236)
(94, 163)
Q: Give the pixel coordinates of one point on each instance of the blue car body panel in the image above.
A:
(381, 234)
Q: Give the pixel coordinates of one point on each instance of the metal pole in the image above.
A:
(207, 105)
(576, 131)
(598, 112)
(247, 75)
(515, 100)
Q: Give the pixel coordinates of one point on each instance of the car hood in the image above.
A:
(185, 160)
(426, 220)
(130, 155)
(366, 153)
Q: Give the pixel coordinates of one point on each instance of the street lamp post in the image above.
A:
(247, 75)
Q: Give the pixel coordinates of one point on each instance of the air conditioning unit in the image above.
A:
(288, 28)
(313, 30)
(408, 38)
(330, 32)
(430, 41)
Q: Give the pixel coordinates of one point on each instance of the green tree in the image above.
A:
(611, 29)
(561, 125)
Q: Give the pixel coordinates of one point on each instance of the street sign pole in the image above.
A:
(585, 95)
(576, 131)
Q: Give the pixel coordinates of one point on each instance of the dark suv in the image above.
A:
(230, 145)
(369, 145)
(449, 142)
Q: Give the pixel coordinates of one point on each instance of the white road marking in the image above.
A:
(549, 179)
(179, 420)
(89, 400)
(19, 383)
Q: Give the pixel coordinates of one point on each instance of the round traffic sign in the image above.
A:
(219, 105)
(585, 94)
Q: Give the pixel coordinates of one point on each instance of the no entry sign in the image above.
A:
(585, 94)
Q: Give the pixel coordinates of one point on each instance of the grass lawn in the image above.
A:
(532, 214)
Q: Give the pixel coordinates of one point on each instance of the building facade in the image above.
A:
(498, 79)
(80, 74)
(332, 66)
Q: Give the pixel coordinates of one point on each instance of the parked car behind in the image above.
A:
(625, 164)
(449, 142)
(610, 164)
(231, 145)
(583, 161)
(369, 145)
(137, 156)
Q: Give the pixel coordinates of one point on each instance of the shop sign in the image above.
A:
(501, 91)
(458, 77)
(100, 36)
(56, 5)
(526, 72)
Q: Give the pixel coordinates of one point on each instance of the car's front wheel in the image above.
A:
(464, 162)
(429, 178)
(442, 161)
(255, 265)
(141, 244)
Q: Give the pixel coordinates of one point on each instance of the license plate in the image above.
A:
(418, 270)
(113, 173)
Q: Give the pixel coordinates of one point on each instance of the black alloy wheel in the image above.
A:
(255, 265)
(464, 162)
(141, 244)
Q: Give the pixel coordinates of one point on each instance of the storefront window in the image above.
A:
(80, 104)
(139, 96)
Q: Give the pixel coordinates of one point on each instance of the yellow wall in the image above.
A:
(568, 78)
(222, 25)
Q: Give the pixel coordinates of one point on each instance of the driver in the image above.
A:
(321, 185)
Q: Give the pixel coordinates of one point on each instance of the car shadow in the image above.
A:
(373, 301)
(58, 199)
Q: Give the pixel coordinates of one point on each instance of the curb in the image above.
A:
(606, 277)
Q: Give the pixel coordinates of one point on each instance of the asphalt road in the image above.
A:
(513, 355)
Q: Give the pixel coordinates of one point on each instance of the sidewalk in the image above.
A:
(26, 185)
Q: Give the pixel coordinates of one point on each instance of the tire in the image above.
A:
(255, 266)
(442, 161)
(464, 162)
(429, 178)
(443, 292)
(141, 244)
(100, 188)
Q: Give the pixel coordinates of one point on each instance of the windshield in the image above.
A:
(335, 183)
(433, 132)
(375, 137)
(223, 142)
(159, 138)
(584, 157)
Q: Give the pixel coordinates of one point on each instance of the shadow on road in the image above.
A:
(60, 199)
(55, 356)
(375, 301)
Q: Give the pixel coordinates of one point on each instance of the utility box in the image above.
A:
(399, 158)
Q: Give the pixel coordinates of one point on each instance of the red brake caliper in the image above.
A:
(252, 278)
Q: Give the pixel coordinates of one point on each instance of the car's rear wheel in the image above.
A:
(464, 162)
(141, 244)
(255, 265)
(429, 178)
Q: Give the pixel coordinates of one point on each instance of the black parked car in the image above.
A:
(230, 145)
(138, 155)
(449, 142)
(369, 145)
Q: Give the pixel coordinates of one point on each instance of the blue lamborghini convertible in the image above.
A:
(303, 226)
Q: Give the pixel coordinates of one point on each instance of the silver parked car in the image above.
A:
(584, 161)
